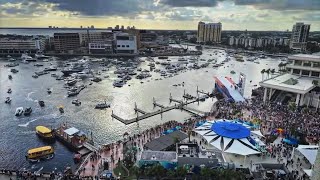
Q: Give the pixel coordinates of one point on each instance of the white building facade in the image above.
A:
(21, 45)
(125, 43)
(298, 82)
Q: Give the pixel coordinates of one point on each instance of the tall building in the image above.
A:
(125, 43)
(21, 45)
(66, 41)
(299, 36)
(210, 32)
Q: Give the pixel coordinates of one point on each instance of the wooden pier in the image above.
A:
(181, 105)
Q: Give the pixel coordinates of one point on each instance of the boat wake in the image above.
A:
(28, 98)
(46, 117)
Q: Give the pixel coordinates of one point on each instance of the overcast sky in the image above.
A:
(161, 14)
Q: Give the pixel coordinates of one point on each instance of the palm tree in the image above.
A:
(262, 73)
(268, 73)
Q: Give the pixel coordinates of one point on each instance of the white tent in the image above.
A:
(217, 143)
(309, 152)
(308, 172)
(221, 142)
(238, 148)
(257, 132)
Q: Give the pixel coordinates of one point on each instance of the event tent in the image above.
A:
(228, 136)
(309, 152)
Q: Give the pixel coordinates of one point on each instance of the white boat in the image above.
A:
(118, 83)
(40, 56)
(182, 59)
(11, 59)
(102, 105)
(27, 58)
(19, 111)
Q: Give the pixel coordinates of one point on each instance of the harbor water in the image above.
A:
(18, 133)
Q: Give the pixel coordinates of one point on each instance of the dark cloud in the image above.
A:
(282, 4)
(99, 7)
(190, 3)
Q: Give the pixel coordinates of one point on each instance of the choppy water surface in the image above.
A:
(18, 133)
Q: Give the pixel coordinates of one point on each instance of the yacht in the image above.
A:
(182, 59)
(50, 68)
(19, 111)
(10, 76)
(27, 111)
(76, 102)
(25, 57)
(40, 56)
(41, 103)
(8, 100)
(102, 105)
(9, 91)
(118, 83)
(11, 59)
(14, 70)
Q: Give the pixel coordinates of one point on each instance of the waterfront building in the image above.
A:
(209, 32)
(299, 36)
(297, 84)
(125, 43)
(66, 42)
(95, 37)
(101, 47)
(19, 46)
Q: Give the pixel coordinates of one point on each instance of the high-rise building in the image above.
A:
(210, 32)
(299, 36)
(66, 41)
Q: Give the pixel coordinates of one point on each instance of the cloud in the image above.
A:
(282, 4)
(189, 3)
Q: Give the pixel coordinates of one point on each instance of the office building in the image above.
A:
(101, 48)
(66, 42)
(209, 32)
(299, 36)
(21, 45)
(125, 43)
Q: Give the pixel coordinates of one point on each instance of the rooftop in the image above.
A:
(165, 141)
(159, 156)
(306, 57)
(290, 83)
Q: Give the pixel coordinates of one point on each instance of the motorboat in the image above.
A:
(25, 57)
(19, 111)
(11, 65)
(49, 91)
(118, 83)
(45, 133)
(102, 105)
(14, 70)
(27, 111)
(40, 73)
(9, 91)
(10, 76)
(50, 68)
(96, 79)
(8, 100)
(38, 65)
(40, 56)
(182, 59)
(11, 59)
(41, 103)
(35, 76)
(61, 110)
(76, 102)
(232, 72)
(71, 82)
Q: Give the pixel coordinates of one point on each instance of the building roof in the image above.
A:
(305, 57)
(71, 131)
(282, 82)
(208, 162)
(158, 155)
(165, 141)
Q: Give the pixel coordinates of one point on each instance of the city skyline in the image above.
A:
(275, 15)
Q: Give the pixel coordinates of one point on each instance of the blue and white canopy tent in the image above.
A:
(229, 136)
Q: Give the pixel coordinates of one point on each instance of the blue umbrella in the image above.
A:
(169, 131)
(178, 127)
